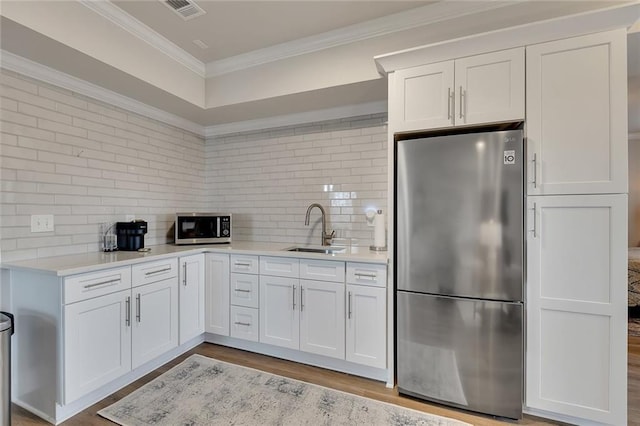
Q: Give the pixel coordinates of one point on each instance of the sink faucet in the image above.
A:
(326, 238)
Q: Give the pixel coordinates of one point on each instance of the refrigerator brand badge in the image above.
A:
(510, 157)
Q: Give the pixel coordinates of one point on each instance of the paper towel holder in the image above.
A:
(379, 248)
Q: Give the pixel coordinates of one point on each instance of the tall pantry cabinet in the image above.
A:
(576, 220)
(576, 354)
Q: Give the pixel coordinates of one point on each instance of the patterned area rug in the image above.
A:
(634, 327)
(205, 391)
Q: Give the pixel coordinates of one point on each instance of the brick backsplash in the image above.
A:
(88, 162)
(268, 179)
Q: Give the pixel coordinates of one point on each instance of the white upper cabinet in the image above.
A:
(478, 89)
(577, 115)
(424, 97)
(490, 88)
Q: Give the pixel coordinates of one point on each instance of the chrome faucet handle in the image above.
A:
(327, 238)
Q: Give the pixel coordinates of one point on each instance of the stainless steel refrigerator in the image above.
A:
(459, 268)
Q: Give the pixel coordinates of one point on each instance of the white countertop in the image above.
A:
(87, 262)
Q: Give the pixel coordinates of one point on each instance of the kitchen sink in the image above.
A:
(321, 250)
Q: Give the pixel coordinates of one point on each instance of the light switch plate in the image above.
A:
(42, 223)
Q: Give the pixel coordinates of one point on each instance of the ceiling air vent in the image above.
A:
(185, 8)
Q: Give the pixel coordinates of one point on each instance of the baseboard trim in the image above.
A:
(335, 364)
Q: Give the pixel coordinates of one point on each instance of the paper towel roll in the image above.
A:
(379, 232)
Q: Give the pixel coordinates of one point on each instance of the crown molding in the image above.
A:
(615, 17)
(297, 119)
(21, 65)
(113, 13)
(385, 25)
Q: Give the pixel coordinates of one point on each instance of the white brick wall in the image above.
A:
(87, 162)
(268, 179)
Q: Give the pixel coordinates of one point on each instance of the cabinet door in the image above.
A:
(97, 343)
(244, 323)
(366, 325)
(576, 306)
(424, 97)
(244, 290)
(191, 297)
(490, 87)
(577, 115)
(322, 318)
(279, 311)
(154, 320)
(217, 293)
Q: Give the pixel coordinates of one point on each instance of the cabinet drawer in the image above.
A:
(94, 284)
(279, 266)
(367, 274)
(244, 323)
(244, 290)
(322, 270)
(151, 272)
(244, 264)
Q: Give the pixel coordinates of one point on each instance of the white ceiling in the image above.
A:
(266, 58)
(232, 28)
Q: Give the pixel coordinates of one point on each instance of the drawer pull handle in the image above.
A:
(365, 275)
(245, 264)
(157, 272)
(349, 303)
(534, 161)
(184, 276)
(88, 286)
(534, 230)
(246, 324)
(128, 311)
(301, 298)
(243, 290)
(138, 313)
(294, 297)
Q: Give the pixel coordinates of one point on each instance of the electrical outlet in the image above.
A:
(42, 223)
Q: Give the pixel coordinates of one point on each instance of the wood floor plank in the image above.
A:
(332, 379)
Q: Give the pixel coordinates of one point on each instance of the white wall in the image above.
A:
(268, 179)
(86, 163)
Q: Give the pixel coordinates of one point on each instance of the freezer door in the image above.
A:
(459, 215)
(461, 352)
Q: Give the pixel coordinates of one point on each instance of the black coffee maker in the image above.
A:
(131, 235)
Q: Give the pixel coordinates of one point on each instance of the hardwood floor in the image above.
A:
(331, 379)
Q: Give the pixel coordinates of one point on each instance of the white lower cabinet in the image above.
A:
(217, 293)
(244, 323)
(367, 325)
(366, 314)
(97, 343)
(191, 283)
(107, 336)
(279, 313)
(322, 318)
(154, 320)
(576, 307)
(303, 314)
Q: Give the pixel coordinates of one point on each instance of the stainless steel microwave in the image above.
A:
(202, 228)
